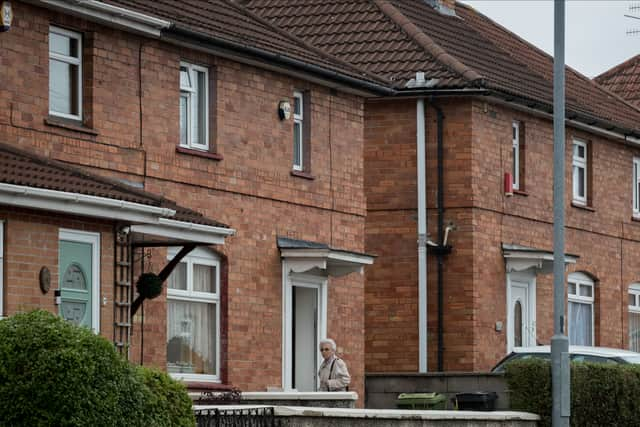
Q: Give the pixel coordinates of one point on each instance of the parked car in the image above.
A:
(577, 353)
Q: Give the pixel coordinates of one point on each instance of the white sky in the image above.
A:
(596, 30)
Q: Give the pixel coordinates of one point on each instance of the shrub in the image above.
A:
(55, 373)
(170, 399)
(530, 387)
(601, 394)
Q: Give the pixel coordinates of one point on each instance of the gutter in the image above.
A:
(150, 26)
(171, 228)
(181, 33)
(109, 14)
(80, 204)
(627, 138)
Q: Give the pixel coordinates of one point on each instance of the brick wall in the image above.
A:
(604, 236)
(31, 242)
(478, 151)
(132, 102)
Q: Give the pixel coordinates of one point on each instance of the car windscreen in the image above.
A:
(631, 359)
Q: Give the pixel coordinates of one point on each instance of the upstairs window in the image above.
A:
(194, 104)
(516, 148)
(636, 187)
(580, 309)
(634, 317)
(298, 134)
(580, 170)
(65, 73)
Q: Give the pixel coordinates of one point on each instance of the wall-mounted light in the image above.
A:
(6, 16)
(284, 109)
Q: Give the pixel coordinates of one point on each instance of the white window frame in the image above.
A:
(298, 164)
(581, 280)
(69, 60)
(634, 289)
(580, 163)
(198, 256)
(636, 184)
(1, 268)
(188, 92)
(93, 239)
(515, 133)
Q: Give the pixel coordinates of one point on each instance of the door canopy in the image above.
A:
(320, 259)
(520, 258)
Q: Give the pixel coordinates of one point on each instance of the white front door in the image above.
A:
(521, 314)
(304, 324)
(305, 337)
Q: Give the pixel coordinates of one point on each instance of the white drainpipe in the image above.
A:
(422, 229)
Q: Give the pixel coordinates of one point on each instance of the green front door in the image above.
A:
(75, 263)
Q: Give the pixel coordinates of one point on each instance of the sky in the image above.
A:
(596, 30)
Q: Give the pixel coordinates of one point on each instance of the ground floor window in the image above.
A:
(634, 317)
(580, 309)
(193, 316)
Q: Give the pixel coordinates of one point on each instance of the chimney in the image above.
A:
(445, 7)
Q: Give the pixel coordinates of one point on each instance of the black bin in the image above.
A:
(476, 401)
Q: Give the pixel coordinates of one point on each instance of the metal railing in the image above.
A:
(249, 417)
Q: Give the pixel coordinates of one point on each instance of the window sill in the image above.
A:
(580, 206)
(195, 386)
(69, 124)
(301, 174)
(635, 218)
(521, 193)
(199, 153)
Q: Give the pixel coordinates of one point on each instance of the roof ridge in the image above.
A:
(426, 42)
(47, 161)
(243, 9)
(617, 68)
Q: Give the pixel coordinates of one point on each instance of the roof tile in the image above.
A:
(509, 65)
(22, 168)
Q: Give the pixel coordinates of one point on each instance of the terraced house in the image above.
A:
(460, 161)
(198, 142)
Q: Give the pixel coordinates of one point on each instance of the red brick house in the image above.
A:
(484, 215)
(131, 132)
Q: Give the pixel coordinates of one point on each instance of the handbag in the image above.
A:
(331, 372)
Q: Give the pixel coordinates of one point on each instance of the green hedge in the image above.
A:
(601, 394)
(170, 402)
(54, 373)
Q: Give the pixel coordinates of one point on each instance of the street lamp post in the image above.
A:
(560, 378)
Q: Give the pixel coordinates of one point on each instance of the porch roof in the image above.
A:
(32, 181)
(305, 256)
(519, 258)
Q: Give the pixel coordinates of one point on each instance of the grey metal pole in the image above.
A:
(560, 376)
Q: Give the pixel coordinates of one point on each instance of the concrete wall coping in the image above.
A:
(396, 414)
(434, 374)
(297, 395)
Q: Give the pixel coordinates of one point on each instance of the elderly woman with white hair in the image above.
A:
(333, 373)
